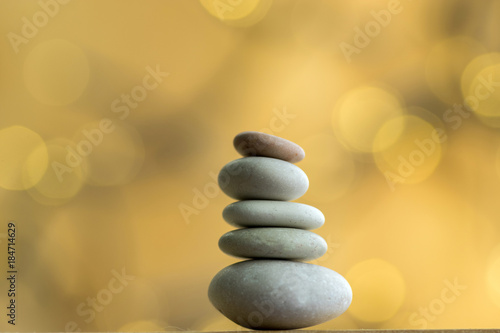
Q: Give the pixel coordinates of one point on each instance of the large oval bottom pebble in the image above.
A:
(279, 294)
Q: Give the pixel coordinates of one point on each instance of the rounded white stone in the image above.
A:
(275, 243)
(262, 178)
(279, 294)
(270, 213)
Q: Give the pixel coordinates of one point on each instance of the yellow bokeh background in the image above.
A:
(116, 118)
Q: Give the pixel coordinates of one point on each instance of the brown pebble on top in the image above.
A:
(261, 144)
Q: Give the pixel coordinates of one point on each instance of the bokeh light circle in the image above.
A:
(360, 113)
(483, 95)
(474, 67)
(62, 180)
(241, 13)
(56, 72)
(415, 155)
(378, 290)
(19, 169)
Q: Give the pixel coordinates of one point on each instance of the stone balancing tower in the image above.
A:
(274, 289)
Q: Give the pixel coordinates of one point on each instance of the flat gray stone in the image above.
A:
(269, 213)
(279, 294)
(261, 144)
(273, 243)
(262, 178)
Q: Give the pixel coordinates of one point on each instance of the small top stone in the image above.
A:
(261, 144)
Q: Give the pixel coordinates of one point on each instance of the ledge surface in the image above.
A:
(469, 330)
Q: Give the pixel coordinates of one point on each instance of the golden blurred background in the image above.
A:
(116, 117)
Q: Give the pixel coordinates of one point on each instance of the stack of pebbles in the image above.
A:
(274, 289)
